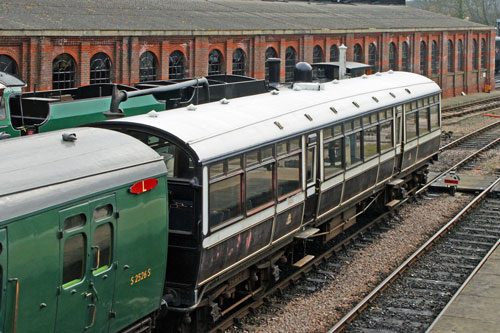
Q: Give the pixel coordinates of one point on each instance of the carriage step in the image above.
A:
(395, 182)
(392, 203)
(306, 233)
(303, 261)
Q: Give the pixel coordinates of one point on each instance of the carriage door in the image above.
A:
(87, 276)
(311, 176)
(4, 278)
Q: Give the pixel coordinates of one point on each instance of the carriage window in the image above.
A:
(102, 248)
(310, 164)
(386, 136)
(266, 153)
(398, 128)
(102, 212)
(328, 133)
(348, 126)
(332, 157)
(3, 114)
(357, 123)
(281, 148)
(252, 157)
(411, 126)
(370, 145)
(434, 117)
(73, 260)
(217, 170)
(423, 121)
(382, 115)
(234, 164)
(288, 175)
(294, 144)
(352, 149)
(225, 200)
(259, 186)
(74, 221)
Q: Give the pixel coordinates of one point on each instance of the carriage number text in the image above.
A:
(139, 277)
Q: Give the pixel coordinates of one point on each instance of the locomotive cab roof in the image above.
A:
(225, 128)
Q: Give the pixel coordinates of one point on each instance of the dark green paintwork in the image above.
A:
(66, 114)
(35, 258)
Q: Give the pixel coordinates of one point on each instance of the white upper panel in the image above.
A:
(214, 130)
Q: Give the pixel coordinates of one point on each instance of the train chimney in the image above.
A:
(342, 61)
(273, 65)
(302, 72)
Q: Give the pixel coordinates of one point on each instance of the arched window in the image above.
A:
(239, 62)
(8, 64)
(334, 53)
(451, 57)
(100, 68)
(483, 53)
(176, 65)
(63, 72)
(461, 60)
(147, 66)
(423, 58)
(270, 53)
(290, 61)
(215, 62)
(358, 53)
(475, 54)
(392, 56)
(405, 57)
(318, 54)
(372, 57)
(435, 57)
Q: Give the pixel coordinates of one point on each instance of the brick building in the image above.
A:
(50, 44)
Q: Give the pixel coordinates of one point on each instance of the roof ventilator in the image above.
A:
(308, 117)
(355, 104)
(70, 137)
(408, 91)
(335, 81)
(191, 107)
(275, 92)
(277, 123)
(375, 99)
(392, 94)
(153, 114)
(334, 110)
(364, 76)
(390, 71)
(378, 74)
(224, 101)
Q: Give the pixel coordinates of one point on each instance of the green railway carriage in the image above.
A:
(83, 232)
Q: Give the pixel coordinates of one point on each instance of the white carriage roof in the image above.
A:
(215, 129)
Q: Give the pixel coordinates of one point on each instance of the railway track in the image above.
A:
(324, 265)
(438, 268)
(470, 108)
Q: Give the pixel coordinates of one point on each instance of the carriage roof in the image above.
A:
(43, 170)
(216, 129)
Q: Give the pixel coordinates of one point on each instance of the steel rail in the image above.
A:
(468, 136)
(408, 262)
(452, 108)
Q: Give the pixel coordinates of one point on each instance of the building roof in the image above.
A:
(212, 17)
(215, 130)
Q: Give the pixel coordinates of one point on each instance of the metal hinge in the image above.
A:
(59, 234)
(117, 214)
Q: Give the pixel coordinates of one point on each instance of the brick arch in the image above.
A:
(75, 54)
(222, 61)
(15, 57)
(103, 49)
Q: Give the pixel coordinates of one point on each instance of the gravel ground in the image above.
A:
(299, 311)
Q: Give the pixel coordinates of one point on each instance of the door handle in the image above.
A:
(98, 256)
(16, 304)
(93, 316)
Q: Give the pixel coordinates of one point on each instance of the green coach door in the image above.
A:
(87, 273)
(3, 279)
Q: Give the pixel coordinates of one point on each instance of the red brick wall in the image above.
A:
(34, 55)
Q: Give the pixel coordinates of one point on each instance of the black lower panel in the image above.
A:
(428, 147)
(184, 260)
(385, 170)
(233, 249)
(409, 157)
(359, 183)
(287, 221)
(330, 198)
